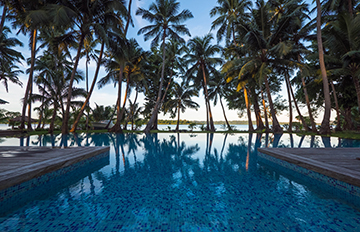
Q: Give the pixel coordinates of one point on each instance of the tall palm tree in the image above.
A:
(166, 23)
(8, 70)
(325, 124)
(181, 100)
(200, 57)
(230, 12)
(89, 16)
(30, 16)
(217, 91)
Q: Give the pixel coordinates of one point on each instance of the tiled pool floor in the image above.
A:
(167, 183)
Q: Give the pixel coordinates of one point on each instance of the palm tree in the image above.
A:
(217, 90)
(325, 124)
(230, 12)
(200, 57)
(89, 16)
(164, 15)
(181, 100)
(8, 70)
(30, 16)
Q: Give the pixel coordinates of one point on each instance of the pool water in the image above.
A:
(184, 182)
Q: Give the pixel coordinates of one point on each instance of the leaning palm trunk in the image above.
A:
(126, 94)
(65, 129)
(289, 99)
(276, 126)
(259, 122)
(298, 110)
(29, 84)
(338, 124)
(313, 125)
(150, 124)
(117, 127)
(247, 103)
(265, 113)
(222, 106)
(325, 125)
(51, 128)
(212, 127)
(74, 126)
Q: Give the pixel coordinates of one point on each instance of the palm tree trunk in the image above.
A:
(178, 119)
(222, 106)
(51, 128)
(117, 127)
(289, 99)
(259, 122)
(338, 124)
(247, 103)
(3, 16)
(30, 80)
(265, 113)
(313, 125)
(128, 18)
(29, 107)
(65, 129)
(207, 115)
(74, 126)
(298, 110)
(87, 90)
(325, 125)
(126, 94)
(357, 88)
(350, 8)
(157, 105)
(167, 87)
(276, 126)
(212, 127)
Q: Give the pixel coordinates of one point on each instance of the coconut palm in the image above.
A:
(200, 58)
(181, 99)
(89, 16)
(29, 17)
(217, 90)
(325, 124)
(166, 23)
(230, 12)
(8, 70)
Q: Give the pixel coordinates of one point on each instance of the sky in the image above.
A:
(199, 25)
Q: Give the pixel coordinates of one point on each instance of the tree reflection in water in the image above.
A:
(169, 181)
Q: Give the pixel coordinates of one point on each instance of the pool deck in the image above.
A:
(20, 164)
(339, 163)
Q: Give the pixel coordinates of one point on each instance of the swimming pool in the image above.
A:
(188, 182)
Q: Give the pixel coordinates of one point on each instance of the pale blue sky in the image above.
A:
(198, 26)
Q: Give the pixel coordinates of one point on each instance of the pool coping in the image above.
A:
(337, 172)
(64, 158)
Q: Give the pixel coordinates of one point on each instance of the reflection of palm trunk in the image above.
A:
(291, 140)
(276, 139)
(312, 140)
(224, 142)
(301, 141)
